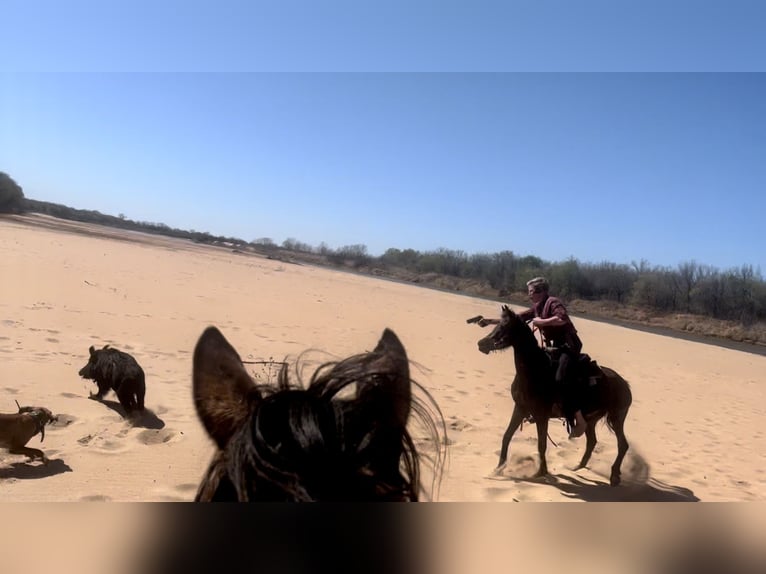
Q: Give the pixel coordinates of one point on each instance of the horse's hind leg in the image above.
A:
(590, 435)
(516, 419)
(622, 446)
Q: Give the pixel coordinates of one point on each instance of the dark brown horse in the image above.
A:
(601, 391)
(342, 437)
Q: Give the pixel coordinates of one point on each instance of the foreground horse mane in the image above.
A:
(341, 437)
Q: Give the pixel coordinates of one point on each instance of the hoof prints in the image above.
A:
(63, 421)
(116, 442)
(151, 436)
(95, 498)
(459, 425)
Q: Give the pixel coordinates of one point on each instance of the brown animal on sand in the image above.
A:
(16, 430)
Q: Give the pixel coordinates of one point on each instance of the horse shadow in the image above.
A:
(588, 490)
(147, 419)
(25, 470)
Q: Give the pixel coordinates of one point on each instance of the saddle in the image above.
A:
(584, 367)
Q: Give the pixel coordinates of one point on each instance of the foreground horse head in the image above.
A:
(283, 442)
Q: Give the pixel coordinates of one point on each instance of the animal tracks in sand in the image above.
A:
(158, 436)
(109, 441)
(104, 444)
(95, 498)
(64, 420)
(457, 424)
(178, 493)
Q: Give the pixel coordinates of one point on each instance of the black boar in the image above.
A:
(120, 372)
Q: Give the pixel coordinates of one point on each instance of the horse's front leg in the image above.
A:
(516, 419)
(590, 434)
(542, 443)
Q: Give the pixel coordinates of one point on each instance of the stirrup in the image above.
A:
(576, 432)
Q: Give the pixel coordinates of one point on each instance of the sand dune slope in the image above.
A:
(696, 427)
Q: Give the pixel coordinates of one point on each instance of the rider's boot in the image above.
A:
(579, 426)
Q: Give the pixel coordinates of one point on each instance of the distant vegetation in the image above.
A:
(689, 296)
(11, 195)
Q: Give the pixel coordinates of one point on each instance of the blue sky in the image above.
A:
(666, 167)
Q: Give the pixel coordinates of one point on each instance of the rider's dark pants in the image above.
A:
(564, 376)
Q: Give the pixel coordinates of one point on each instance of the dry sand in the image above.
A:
(696, 427)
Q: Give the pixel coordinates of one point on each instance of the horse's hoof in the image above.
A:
(499, 470)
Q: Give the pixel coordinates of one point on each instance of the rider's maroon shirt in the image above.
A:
(557, 336)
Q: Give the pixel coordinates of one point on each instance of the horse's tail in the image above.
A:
(620, 398)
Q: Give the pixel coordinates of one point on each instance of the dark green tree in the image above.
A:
(11, 195)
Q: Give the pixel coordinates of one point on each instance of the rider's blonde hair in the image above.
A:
(538, 282)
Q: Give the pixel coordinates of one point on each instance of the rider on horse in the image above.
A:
(549, 315)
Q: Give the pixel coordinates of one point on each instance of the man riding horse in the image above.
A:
(549, 315)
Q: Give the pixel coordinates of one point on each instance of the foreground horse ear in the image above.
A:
(391, 390)
(221, 385)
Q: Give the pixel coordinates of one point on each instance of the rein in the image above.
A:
(539, 332)
(521, 428)
(529, 420)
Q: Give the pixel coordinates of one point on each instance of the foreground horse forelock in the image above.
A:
(535, 393)
(284, 442)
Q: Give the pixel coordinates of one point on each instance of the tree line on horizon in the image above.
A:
(737, 293)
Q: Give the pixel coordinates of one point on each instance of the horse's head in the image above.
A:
(505, 334)
(284, 442)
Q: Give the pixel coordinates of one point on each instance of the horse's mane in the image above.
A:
(319, 441)
(524, 340)
(521, 328)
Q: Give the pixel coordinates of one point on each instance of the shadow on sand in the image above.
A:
(27, 470)
(600, 491)
(148, 419)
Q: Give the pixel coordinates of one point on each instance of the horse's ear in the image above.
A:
(222, 387)
(92, 350)
(389, 392)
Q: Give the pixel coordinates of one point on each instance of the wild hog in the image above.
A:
(120, 372)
